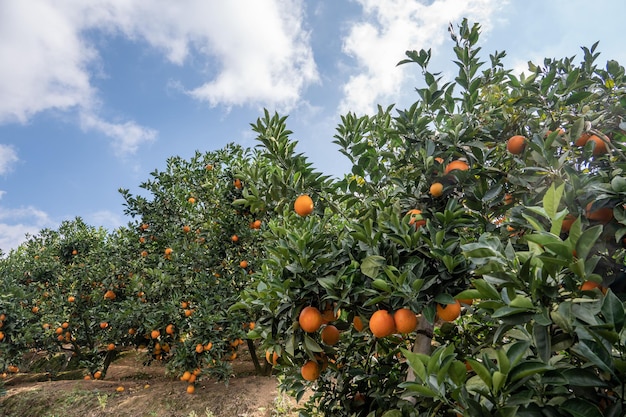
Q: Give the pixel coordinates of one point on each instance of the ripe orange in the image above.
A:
(104, 325)
(188, 312)
(109, 295)
(405, 320)
(436, 189)
(144, 226)
(456, 164)
(169, 329)
(329, 314)
(237, 184)
(13, 369)
(449, 312)
(567, 223)
(209, 167)
(59, 330)
(1, 336)
(186, 229)
(192, 378)
(255, 224)
(191, 200)
(111, 346)
(191, 388)
(35, 309)
(416, 219)
(74, 252)
(600, 147)
(310, 371)
(271, 357)
(303, 205)
(582, 140)
(234, 238)
(184, 304)
(119, 389)
(71, 298)
(357, 323)
(155, 334)
(132, 331)
(243, 264)
(144, 253)
(252, 325)
(97, 375)
(65, 325)
(185, 376)
(330, 335)
(590, 285)
(199, 348)
(208, 346)
(516, 144)
(382, 324)
(603, 215)
(310, 319)
(168, 251)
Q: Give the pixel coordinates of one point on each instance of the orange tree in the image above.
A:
(441, 205)
(56, 287)
(193, 253)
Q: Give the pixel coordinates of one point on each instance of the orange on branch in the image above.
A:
(310, 371)
(436, 189)
(330, 335)
(310, 319)
(382, 324)
(271, 357)
(603, 214)
(449, 312)
(357, 323)
(303, 205)
(516, 144)
(405, 320)
(416, 219)
(457, 164)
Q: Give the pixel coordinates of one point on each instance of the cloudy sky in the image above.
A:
(96, 95)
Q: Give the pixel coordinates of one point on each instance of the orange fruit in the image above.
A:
(144, 253)
(439, 159)
(252, 325)
(184, 304)
(310, 319)
(65, 325)
(602, 215)
(567, 223)
(516, 144)
(111, 346)
(405, 320)
(329, 315)
(271, 357)
(1, 336)
(191, 388)
(330, 335)
(35, 309)
(600, 147)
(243, 264)
(192, 378)
(191, 200)
(208, 346)
(188, 312)
(71, 298)
(303, 205)
(449, 312)
(97, 375)
(436, 189)
(508, 199)
(256, 224)
(582, 140)
(168, 251)
(59, 330)
(466, 301)
(132, 331)
(119, 389)
(590, 285)
(237, 184)
(357, 323)
(74, 252)
(185, 376)
(234, 238)
(87, 377)
(416, 219)
(382, 324)
(169, 329)
(310, 371)
(456, 164)
(186, 229)
(144, 226)
(13, 369)
(209, 167)
(155, 334)
(109, 295)
(199, 348)
(104, 325)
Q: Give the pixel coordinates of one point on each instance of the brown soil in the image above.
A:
(147, 392)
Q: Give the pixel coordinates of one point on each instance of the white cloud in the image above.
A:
(127, 137)
(8, 157)
(16, 224)
(253, 52)
(106, 219)
(388, 29)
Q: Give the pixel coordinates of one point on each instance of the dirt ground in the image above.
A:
(147, 392)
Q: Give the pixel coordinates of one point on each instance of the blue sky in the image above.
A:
(96, 95)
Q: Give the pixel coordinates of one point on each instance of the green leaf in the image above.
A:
(482, 372)
(542, 341)
(370, 267)
(487, 291)
(613, 310)
(583, 377)
(581, 408)
(392, 413)
(419, 388)
(415, 363)
(587, 240)
(595, 353)
(516, 351)
(311, 344)
(552, 199)
(526, 369)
